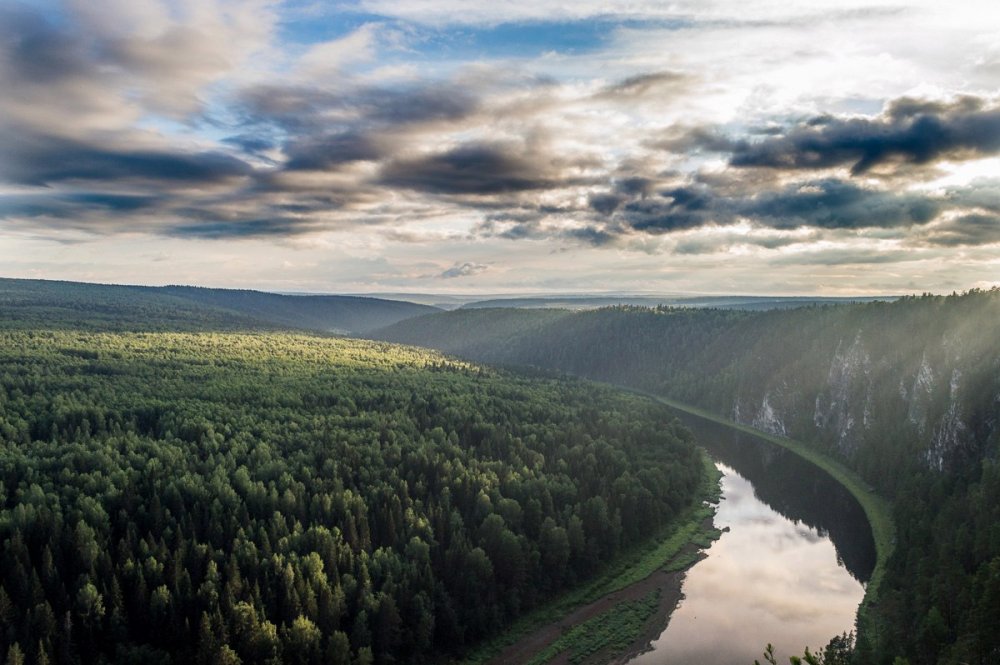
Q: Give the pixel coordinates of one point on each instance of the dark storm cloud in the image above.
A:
(911, 131)
(592, 235)
(523, 187)
(836, 204)
(71, 205)
(43, 160)
(677, 209)
(472, 169)
(824, 204)
(432, 103)
(605, 202)
(305, 110)
(333, 150)
(967, 230)
(623, 189)
(36, 52)
(635, 186)
(327, 130)
(980, 194)
(251, 143)
(248, 228)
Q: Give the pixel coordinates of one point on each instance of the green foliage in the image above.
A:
(610, 632)
(667, 551)
(877, 510)
(272, 498)
(840, 651)
(32, 304)
(904, 394)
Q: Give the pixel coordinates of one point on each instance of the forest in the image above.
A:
(260, 497)
(907, 393)
(28, 303)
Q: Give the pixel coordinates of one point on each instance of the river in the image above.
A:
(790, 568)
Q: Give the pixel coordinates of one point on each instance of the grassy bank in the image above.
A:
(876, 508)
(668, 551)
(611, 632)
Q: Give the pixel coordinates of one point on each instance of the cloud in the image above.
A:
(643, 85)
(910, 131)
(37, 53)
(457, 12)
(721, 240)
(326, 58)
(466, 269)
(824, 204)
(414, 133)
(243, 228)
(44, 160)
(473, 169)
(836, 204)
(306, 107)
(74, 205)
(435, 102)
(605, 202)
(331, 151)
(963, 231)
(847, 256)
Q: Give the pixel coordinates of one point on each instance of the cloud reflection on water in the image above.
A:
(768, 579)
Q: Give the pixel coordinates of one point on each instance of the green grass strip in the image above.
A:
(628, 568)
(611, 632)
(876, 508)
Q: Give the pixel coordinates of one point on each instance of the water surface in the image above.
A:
(790, 569)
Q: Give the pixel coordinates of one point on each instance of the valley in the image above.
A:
(184, 481)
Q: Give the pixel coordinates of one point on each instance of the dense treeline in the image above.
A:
(27, 304)
(907, 393)
(265, 498)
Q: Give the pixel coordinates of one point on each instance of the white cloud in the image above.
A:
(329, 58)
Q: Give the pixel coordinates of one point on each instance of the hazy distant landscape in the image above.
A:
(453, 502)
(405, 332)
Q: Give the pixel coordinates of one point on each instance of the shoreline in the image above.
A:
(659, 567)
(666, 584)
(876, 508)
(667, 581)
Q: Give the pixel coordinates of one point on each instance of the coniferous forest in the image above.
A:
(181, 482)
(907, 393)
(211, 498)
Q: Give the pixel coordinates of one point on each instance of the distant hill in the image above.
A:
(907, 393)
(330, 313)
(920, 373)
(749, 303)
(43, 303)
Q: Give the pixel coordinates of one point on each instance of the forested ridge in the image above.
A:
(275, 498)
(35, 303)
(907, 393)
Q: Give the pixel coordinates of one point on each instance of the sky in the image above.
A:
(511, 146)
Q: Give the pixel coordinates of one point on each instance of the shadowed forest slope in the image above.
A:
(907, 393)
(28, 303)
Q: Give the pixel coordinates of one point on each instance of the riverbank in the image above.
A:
(616, 611)
(876, 508)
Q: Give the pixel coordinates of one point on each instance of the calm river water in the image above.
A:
(790, 570)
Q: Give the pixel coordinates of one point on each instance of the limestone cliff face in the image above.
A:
(843, 408)
(857, 397)
(951, 432)
(920, 395)
(882, 384)
(765, 414)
